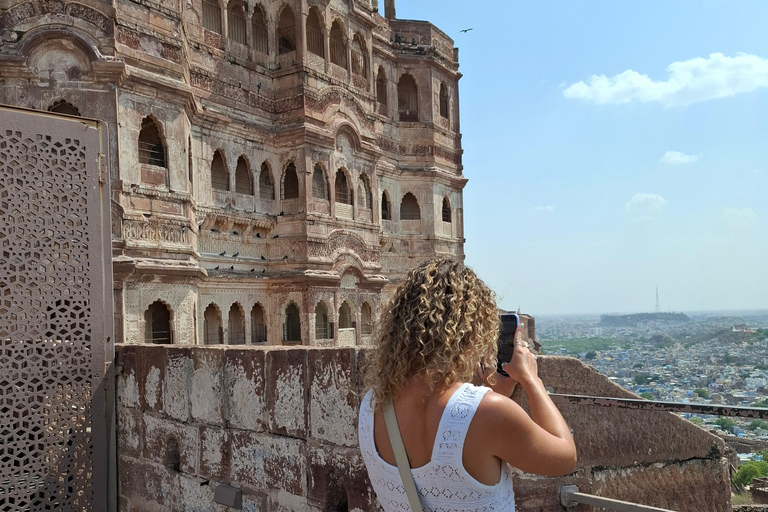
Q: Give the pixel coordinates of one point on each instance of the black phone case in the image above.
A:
(506, 342)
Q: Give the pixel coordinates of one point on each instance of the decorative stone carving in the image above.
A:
(160, 232)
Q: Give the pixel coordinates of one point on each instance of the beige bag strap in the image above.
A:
(393, 429)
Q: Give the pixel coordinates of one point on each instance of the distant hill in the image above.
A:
(633, 320)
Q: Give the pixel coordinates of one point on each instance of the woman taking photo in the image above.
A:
(437, 334)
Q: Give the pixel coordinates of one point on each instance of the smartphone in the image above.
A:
(506, 342)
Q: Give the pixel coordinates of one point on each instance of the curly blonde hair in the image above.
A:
(441, 322)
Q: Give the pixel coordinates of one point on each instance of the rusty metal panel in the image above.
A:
(55, 314)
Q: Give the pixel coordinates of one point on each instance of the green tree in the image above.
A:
(725, 423)
(591, 355)
(642, 379)
(761, 403)
(758, 424)
(696, 420)
(703, 393)
(647, 395)
(748, 471)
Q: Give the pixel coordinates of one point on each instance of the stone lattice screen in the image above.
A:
(55, 327)
(280, 424)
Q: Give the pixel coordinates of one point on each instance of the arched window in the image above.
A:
(236, 23)
(315, 38)
(212, 330)
(386, 213)
(359, 56)
(364, 193)
(338, 46)
(290, 183)
(381, 86)
(443, 100)
(286, 31)
(243, 182)
(236, 325)
(343, 192)
(157, 324)
(258, 325)
(212, 16)
(322, 326)
(219, 172)
(260, 31)
(408, 99)
(345, 316)
(446, 210)
(319, 186)
(64, 107)
(151, 147)
(266, 187)
(409, 208)
(292, 325)
(366, 319)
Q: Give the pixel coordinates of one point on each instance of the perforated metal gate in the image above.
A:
(55, 314)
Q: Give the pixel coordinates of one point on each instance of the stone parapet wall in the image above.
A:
(280, 424)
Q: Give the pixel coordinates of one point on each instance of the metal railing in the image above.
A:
(570, 496)
(650, 405)
(338, 53)
(315, 41)
(152, 153)
(358, 64)
(286, 40)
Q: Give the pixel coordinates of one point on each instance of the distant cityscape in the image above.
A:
(698, 357)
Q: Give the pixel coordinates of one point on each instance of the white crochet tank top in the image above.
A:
(443, 483)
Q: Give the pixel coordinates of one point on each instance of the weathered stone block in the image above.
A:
(206, 389)
(147, 481)
(130, 431)
(150, 376)
(214, 453)
(286, 391)
(178, 374)
(263, 461)
(542, 494)
(337, 476)
(199, 498)
(172, 444)
(333, 401)
(127, 385)
(246, 404)
(686, 486)
(609, 436)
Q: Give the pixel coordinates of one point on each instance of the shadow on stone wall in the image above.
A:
(280, 423)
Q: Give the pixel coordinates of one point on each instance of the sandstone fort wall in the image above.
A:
(280, 424)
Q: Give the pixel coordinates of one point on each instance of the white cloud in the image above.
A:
(740, 217)
(689, 81)
(677, 158)
(545, 209)
(646, 206)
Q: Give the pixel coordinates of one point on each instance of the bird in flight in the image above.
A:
(466, 30)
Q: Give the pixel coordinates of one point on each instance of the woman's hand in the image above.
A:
(522, 367)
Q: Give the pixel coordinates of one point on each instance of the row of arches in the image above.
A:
(332, 44)
(158, 323)
(152, 151)
(256, 34)
(213, 329)
(408, 96)
(347, 319)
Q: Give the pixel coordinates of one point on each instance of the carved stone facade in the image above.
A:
(264, 156)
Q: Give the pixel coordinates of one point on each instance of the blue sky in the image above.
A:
(585, 192)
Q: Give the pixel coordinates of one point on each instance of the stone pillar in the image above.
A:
(389, 9)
